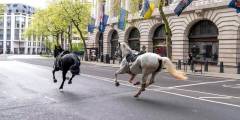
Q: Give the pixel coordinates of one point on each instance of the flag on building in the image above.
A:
(102, 18)
(122, 19)
(103, 23)
(91, 25)
(235, 4)
(147, 10)
(181, 6)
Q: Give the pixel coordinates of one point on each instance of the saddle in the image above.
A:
(131, 57)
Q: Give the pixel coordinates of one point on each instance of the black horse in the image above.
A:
(65, 61)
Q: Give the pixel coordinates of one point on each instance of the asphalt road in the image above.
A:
(27, 92)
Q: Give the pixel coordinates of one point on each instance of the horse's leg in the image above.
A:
(119, 71)
(70, 81)
(131, 79)
(143, 86)
(151, 81)
(64, 72)
(54, 79)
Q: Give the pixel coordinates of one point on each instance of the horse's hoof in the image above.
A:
(117, 84)
(61, 89)
(136, 96)
(70, 82)
(54, 81)
(137, 83)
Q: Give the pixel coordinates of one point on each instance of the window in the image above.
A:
(17, 21)
(16, 34)
(1, 34)
(22, 35)
(1, 22)
(23, 22)
(9, 12)
(8, 34)
(9, 22)
(34, 37)
(15, 5)
(133, 39)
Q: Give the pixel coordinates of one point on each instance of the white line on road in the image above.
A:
(207, 93)
(172, 93)
(49, 98)
(227, 97)
(203, 83)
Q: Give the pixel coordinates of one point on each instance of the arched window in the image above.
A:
(133, 39)
(159, 41)
(203, 42)
(114, 42)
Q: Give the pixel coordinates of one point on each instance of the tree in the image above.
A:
(167, 28)
(1, 8)
(78, 13)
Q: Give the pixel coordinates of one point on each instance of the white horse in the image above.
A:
(146, 64)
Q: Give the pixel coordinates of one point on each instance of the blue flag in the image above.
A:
(122, 19)
(91, 28)
(91, 25)
(235, 4)
(103, 23)
(181, 6)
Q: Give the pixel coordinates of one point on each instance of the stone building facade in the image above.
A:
(207, 29)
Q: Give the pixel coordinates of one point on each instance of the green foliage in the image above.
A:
(135, 6)
(56, 19)
(2, 8)
(77, 47)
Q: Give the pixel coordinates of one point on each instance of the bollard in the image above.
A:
(192, 66)
(221, 67)
(206, 66)
(179, 65)
(238, 68)
(107, 57)
(101, 58)
(113, 60)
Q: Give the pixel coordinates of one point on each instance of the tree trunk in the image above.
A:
(167, 30)
(62, 39)
(57, 40)
(70, 36)
(83, 39)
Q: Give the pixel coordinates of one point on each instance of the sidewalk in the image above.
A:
(213, 71)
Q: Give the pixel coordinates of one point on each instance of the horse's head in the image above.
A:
(57, 50)
(122, 49)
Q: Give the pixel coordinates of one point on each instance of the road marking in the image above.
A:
(207, 93)
(226, 97)
(172, 93)
(202, 83)
(49, 98)
(232, 86)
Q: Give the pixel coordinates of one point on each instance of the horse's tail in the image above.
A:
(172, 70)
